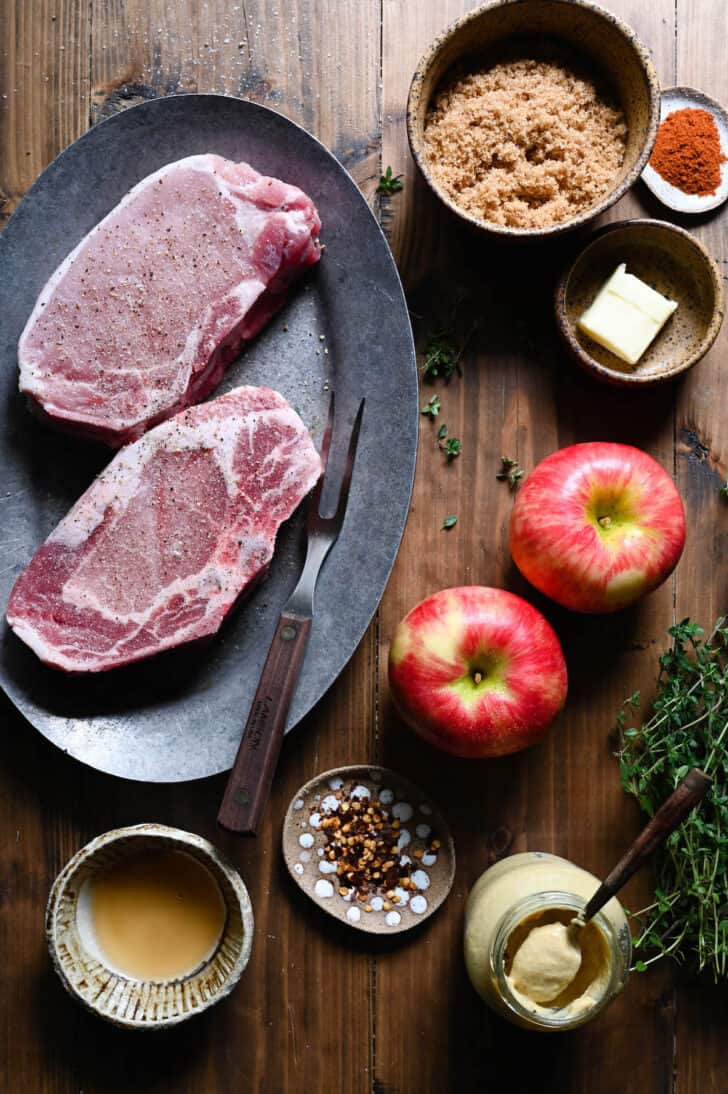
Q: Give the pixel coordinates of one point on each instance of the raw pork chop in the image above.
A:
(144, 316)
(162, 544)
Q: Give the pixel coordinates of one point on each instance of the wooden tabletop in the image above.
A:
(319, 1008)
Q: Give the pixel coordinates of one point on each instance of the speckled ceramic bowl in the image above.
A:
(304, 843)
(674, 263)
(598, 38)
(138, 1004)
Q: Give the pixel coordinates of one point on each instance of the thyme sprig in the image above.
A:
(510, 472)
(688, 727)
(389, 183)
(442, 356)
(432, 407)
(452, 447)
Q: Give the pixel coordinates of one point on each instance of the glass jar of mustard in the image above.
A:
(524, 955)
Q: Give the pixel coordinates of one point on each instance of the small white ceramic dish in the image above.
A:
(143, 1004)
(678, 98)
(304, 843)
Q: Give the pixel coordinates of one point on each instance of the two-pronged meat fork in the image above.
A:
(250, 780)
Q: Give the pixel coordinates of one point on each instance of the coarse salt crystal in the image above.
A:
(330, 804)
(404, 839)
(306, 839)
(428, 859)
(315, 820)
(298, 803)
(360, 792)
(323, 888)
(402, 811)
(336, 783)
(402, 894)
(353, 914)
(392, 919)
(421, 879)
(377, 903)
(423, 830)
(304, 856)
(327, 867)
(298, 867)
(404, 860)
(418, 904)
(386, 796)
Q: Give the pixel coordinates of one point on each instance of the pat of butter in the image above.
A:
(626, 315)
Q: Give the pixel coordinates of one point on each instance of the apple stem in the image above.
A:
(605, 521)
(477, 677)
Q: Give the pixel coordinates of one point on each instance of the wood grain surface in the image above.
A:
(321, 1009)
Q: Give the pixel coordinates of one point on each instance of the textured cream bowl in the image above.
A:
(144, 1004)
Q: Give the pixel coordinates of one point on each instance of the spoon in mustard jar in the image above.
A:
(668, 817)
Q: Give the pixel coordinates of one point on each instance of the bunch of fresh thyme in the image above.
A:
(688, 727)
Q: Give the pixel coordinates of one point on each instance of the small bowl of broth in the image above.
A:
(148, 926)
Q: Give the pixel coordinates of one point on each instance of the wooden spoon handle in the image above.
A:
(250, 780)
(667, 818)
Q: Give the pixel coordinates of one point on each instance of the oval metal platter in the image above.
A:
(180, 716)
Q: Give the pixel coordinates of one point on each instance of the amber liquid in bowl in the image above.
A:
(154, 915)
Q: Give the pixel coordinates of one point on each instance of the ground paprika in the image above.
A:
(688, 153)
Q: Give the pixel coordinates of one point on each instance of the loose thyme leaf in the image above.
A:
(452, 447)
(442, 432)
(431, 407)
(449, 522)
(442, 356)
(389, 183)
(687, 727)
(510, 472)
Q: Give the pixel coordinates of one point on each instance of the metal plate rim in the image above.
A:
(408, 371)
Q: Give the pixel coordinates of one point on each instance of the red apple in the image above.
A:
(477, 672)
(596, 526)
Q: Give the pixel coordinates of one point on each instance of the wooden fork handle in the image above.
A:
(250, 780)
(671, 813)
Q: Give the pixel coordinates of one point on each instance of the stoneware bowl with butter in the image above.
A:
(145, 1004)
(599, 40)
(669, 260)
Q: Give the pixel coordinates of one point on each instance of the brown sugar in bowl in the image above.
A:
(597, 39)
(670, 260)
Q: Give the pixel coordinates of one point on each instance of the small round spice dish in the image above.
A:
(669, 260)
(369, 848)
(91, 974)
(690, 150)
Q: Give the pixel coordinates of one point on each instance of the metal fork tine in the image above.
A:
(323, 531)
(349, 467)
(324, 454)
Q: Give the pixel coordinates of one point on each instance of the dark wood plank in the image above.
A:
(307, 990)
(519, 396)
(44, 105)
(702, 464)
(44, 88)
(317, 61)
